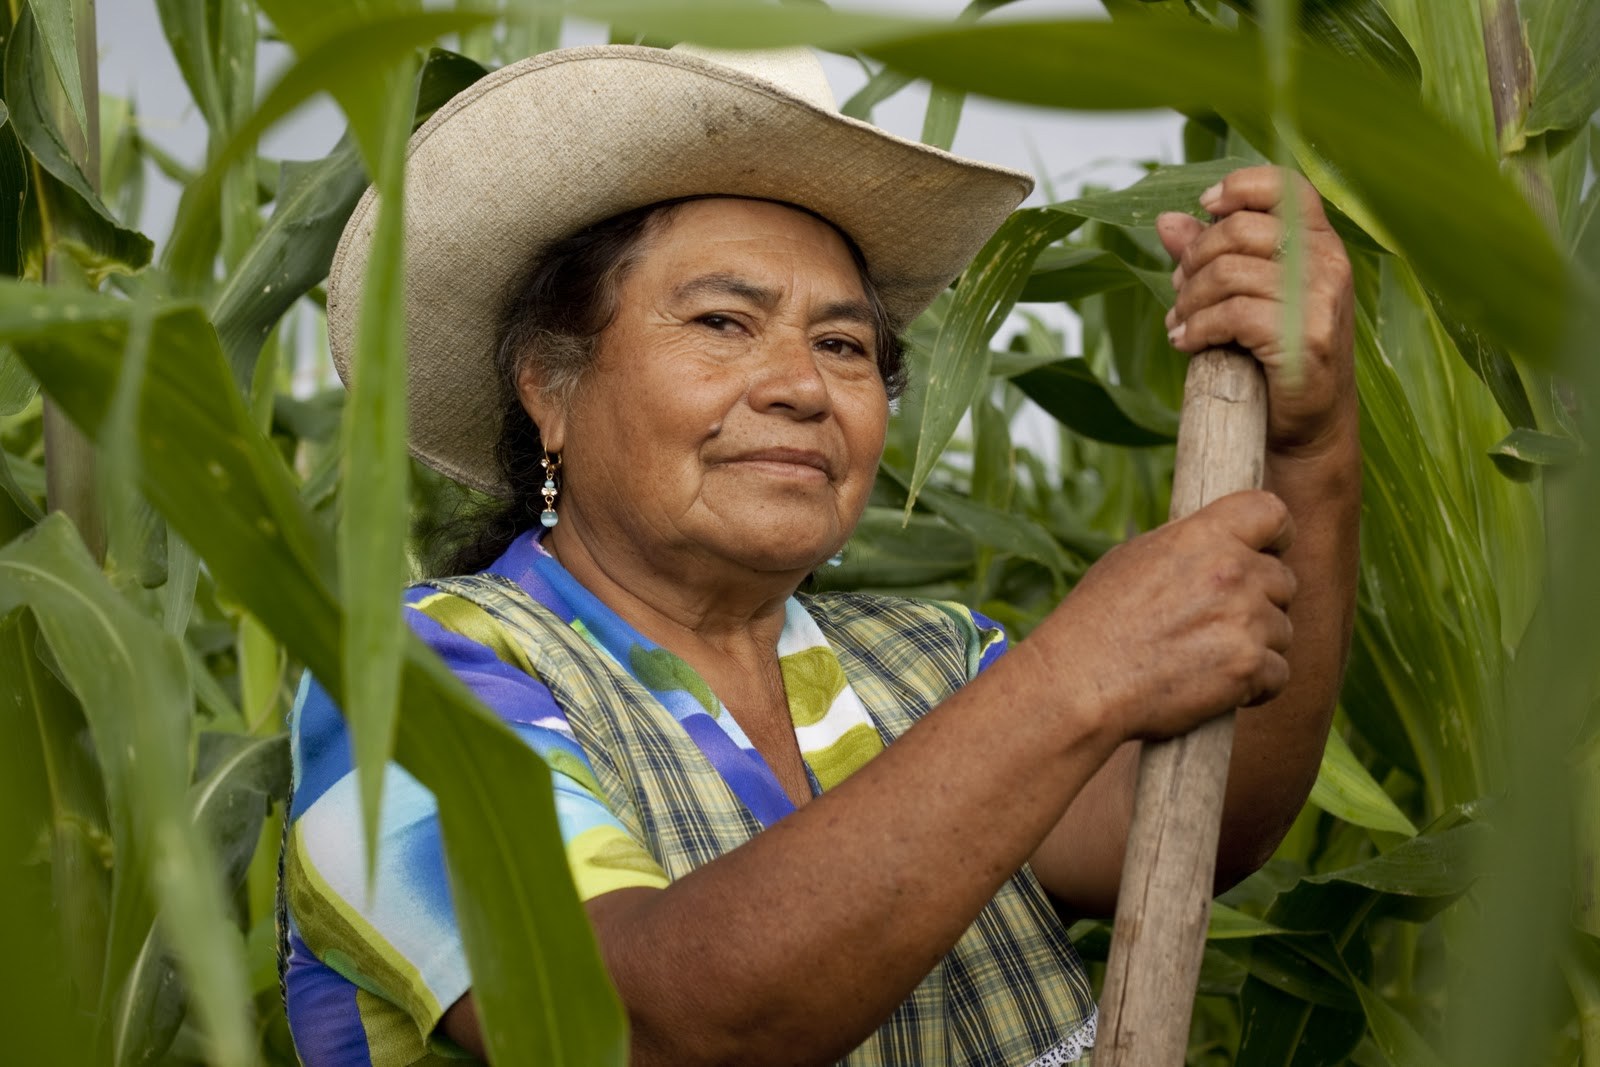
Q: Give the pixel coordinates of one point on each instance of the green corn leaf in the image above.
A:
(17, 387)
(943, 116)
(1069, 274)
(372, 529)
(540, 987)
(228, 805)
(1523, 453)
(38, 919)
(1345, 790)
(187, 26)
(19, 228)
(985, 295)
(132, 680)
(886, 552)
(1512, 285)
(1443, 864)
(1079, 400)
(1568, 86)
(1360, 29)
(1174, 188)
(76, 206)
(57, 32)
(1393, 1032)
(339, 63)
(1227, 924)
(295, 248)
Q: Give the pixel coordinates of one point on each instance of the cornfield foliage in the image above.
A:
(210, 534)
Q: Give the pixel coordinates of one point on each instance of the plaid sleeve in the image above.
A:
(399, 942)
(986, 639)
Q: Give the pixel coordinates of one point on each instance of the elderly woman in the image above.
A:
(653, 300)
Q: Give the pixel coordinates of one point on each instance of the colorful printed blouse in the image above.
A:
(368, 978)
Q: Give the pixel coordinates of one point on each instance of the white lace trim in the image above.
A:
(1072, 1047)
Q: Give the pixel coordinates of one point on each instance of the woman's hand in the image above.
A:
(1183, 623)
(1230, 284)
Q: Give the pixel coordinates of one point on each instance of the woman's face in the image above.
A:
(735, 412)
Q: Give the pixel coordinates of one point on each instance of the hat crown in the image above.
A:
(796, 71)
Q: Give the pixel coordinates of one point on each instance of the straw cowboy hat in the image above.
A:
(544, 147)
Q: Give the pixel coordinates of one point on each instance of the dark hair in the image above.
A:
(554, 321)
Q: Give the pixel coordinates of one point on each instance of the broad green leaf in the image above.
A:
(1069, 274)
(1174, 188)
(1227, 924)
(1000, 530)
(17, 387)
(1443, 864)
(1567, 92)
(132, 681)
(958, 366)
(75, 205)
(339, 64)
(19, 228)
(228, 805)
(1071, 392)
(372, 528)
(55, 22)
(1361, 29)
(1533, 448)
(40, 914)
(537, 976)
(1345, 790)
(187, 26)
(1394, 1033)
(1510, 283)
(295, 248)
(1491, 363)
(886, 552)
(1448, 39)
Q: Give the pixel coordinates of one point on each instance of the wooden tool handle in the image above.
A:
(1165, 900)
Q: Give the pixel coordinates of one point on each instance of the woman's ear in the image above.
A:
(543, 408)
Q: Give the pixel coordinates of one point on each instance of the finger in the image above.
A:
(1177, 231)
(1262, 189)
(1277, 631)
(1256, 517)
(1278, 582)
(1270, 679)
(1251, 321)
(1225, 277)
(1250, 233)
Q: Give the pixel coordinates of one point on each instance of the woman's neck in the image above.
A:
(695, 607)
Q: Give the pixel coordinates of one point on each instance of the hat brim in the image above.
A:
(544, 147)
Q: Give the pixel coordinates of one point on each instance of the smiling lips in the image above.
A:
(793, 462)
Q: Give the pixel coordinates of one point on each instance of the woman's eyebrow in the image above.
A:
(855, 311)
(723, 284)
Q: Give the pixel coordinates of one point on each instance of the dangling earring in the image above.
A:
(548, 516)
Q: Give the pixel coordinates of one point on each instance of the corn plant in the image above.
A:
(181, 534)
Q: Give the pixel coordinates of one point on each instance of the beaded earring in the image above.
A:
(548, 516)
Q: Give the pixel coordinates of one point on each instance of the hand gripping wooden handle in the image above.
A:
(1165, 900)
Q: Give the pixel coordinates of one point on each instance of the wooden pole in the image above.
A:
(1167, 875)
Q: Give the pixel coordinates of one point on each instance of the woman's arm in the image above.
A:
(1230, 290)
(795, 946)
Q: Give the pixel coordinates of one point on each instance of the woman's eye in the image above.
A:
(841, 346)
(719, 323)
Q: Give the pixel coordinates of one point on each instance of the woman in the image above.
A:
(805, 828)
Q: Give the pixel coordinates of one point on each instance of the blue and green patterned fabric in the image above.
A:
(653, 777)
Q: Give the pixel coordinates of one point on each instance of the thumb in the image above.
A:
(1176, 230)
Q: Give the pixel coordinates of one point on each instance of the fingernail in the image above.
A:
(1176, 334)
(1177, 278)
(1212, 197)
(1172, 318)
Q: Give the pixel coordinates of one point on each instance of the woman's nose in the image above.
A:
(789, 380)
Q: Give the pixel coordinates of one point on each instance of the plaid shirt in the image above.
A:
(644, 806)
